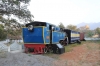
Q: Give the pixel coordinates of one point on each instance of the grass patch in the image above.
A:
(97, 42)
(93, 41)
(70, 47)
(90, 44)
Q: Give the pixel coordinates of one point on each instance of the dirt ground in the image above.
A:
(86, 54)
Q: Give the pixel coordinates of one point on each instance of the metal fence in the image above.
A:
(13, 47)
(3, 47)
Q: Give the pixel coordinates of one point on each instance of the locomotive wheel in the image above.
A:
(30, 50)
(61, 42)
(26, 50)
(45, 50)
(79, 42)
(57, 51)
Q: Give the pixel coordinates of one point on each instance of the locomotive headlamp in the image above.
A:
(30, 27)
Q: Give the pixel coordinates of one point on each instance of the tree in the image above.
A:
(72, 27)
(89, 33)
(98, 31)
(12, 28)
(84, 28)
(17, 8)
(2, 32)
(61, 25)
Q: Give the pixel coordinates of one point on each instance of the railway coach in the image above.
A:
(73, 36)
(82, 36)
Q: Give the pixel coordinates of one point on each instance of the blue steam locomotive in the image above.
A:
(42, 37)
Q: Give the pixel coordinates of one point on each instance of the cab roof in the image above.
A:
(38, 23)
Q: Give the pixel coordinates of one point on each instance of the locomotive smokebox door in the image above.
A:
(58, 48)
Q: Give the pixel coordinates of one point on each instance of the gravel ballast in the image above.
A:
(22, 59)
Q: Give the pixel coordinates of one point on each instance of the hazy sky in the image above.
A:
(65, 11)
